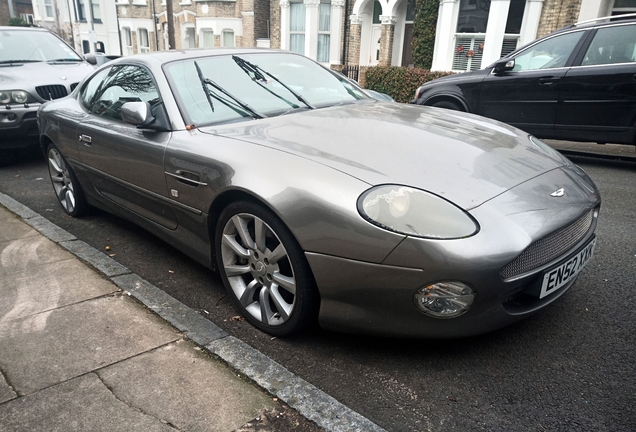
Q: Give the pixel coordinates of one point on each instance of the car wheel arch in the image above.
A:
(448, 98)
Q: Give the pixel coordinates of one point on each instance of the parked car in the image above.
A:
(315, 201)
(575, 84)
(35, 66)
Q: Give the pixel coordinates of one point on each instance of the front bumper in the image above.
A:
(18, 125)
(377, 298)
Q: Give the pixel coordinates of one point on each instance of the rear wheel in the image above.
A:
(264, 270)
(447, 105)
(67, 189)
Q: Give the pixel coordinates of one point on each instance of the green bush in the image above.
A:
(18, 22)
(424, 28)
(399, 82)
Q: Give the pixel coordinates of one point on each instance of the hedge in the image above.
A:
(424, 29)
(399, 82)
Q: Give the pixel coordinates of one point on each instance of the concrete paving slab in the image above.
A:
(47, 348)
(82, 404)
(12, 227)
(6, 392)
(49, 286)
(29, 252)
(186, 388)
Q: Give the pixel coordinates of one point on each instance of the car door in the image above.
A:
(526, 96)
(598, 94)
(125, 163)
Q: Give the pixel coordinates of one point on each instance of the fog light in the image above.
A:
(11, 117)
(444, 299)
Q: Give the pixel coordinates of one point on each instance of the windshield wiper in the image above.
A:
(258, 73)
(64, 60)
(208, 82)
(259, 79)
(19, 61)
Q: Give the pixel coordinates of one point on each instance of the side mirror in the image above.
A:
(91, 59)
(504, 66)
(137, 113)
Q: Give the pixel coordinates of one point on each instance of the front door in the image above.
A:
(125, 164)
(407, 49)
(376, 36)
(527, 96)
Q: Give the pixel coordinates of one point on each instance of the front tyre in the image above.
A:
(264, 270)
(67, 189)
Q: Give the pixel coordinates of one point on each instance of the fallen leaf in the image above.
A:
(452, 399)
(237, 318)
(170, 271)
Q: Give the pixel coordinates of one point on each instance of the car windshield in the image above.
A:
(24, 45)
(228, 88)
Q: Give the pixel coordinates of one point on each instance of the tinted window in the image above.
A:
(550, 53)
(122, 84)
(91, 87)
(612, 45)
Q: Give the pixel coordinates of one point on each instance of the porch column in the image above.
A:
(355, 37)
(337, 13)
(531, 17)
(495, 30)
(386, 39)
(284, 24)
(445, 36)
(312, 18)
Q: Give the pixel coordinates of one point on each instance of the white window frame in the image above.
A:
(297, 32)
(143, 48)
(48, 4)
(324, 32)
(202, 37)
(223, 33)
(127, 41)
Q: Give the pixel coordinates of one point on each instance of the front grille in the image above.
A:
(73, 86)
(549, 247)
(51, 92)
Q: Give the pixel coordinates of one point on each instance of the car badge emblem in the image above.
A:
(63, 78)
(558, 193)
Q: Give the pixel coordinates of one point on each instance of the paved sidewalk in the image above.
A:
(86, 344)
(79, 353)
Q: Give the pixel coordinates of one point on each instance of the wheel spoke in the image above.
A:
(241, 228)
(55, 165)
(57, 178)
(236, 270)
(278, 254)
(248, 295)
(260, 233)
(283, 308)
(287, 282)
(230, 241)
(70, 200)
(61, 194)
(266, 311)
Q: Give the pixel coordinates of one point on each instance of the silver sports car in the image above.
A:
(318, 203)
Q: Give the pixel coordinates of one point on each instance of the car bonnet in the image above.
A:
(464, 158)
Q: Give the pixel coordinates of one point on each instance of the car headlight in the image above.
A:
(20, 96)
(15, 96)
(5, 97)
(415, 212)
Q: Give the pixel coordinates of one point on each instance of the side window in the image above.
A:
(91, 87)
(127, 84)
(612, 45)
(551, 53)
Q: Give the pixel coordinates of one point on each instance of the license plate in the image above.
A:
(556, 278)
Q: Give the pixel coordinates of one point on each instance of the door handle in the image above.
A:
(87, 140)
(548, 80)
(187, 177)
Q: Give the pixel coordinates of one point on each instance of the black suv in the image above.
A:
(578, 84)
